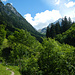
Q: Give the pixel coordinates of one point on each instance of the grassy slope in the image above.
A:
(3, 70)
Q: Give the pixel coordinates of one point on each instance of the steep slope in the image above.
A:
(12, 19)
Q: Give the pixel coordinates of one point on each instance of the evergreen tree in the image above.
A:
(57, 28)
(69, 22)
(65, 25)
(52, 31)
(48, 32)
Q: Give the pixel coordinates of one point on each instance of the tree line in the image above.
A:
(55, 29)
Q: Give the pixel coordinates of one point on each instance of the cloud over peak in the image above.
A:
(43, 19)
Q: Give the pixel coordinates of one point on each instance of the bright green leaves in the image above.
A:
(56, 58)
(29, 66)
(2, 33)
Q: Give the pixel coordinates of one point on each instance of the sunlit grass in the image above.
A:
(3, 70)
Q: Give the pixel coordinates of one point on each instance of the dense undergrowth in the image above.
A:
(33, 58)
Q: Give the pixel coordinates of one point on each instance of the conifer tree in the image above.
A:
(57, 28)
(69, 22)
(48, 32)
(65, 25)
(52, 31)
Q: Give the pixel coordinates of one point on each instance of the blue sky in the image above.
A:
(42, 12)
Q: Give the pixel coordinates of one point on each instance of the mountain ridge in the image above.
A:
(13, 19)
(10, 7)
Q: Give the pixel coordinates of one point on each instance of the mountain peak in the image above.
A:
(59, 20)
(1, 3)
(9, 6)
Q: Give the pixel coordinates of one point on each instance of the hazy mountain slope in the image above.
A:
(43, 31)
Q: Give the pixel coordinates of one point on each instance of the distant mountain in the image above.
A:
(59, 20)
(43, 31)
(10, 17)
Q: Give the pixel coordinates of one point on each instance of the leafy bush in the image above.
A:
(56, 58)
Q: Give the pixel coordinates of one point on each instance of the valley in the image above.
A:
(25, 51)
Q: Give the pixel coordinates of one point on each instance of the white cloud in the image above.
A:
(29, 19)
(65, 7)
(4, 0)
(70, 4)
(57, 2)
(71, 14)
(43, 19)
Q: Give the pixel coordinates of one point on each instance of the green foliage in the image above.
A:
(56, 58)
(2, 37)
(25, 51)
(66, 24)
(2, 33)
(34, 58)
(57, 28)
(30, 66)
(48, 32)
(3, 70)
(15, 69)
(68, 36)
(21, 42)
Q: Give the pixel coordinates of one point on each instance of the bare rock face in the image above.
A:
(1, 4)
(10, 7)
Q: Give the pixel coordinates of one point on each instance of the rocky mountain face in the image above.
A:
(10, 7)
(43, 31)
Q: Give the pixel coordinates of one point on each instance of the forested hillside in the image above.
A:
(12, 20)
